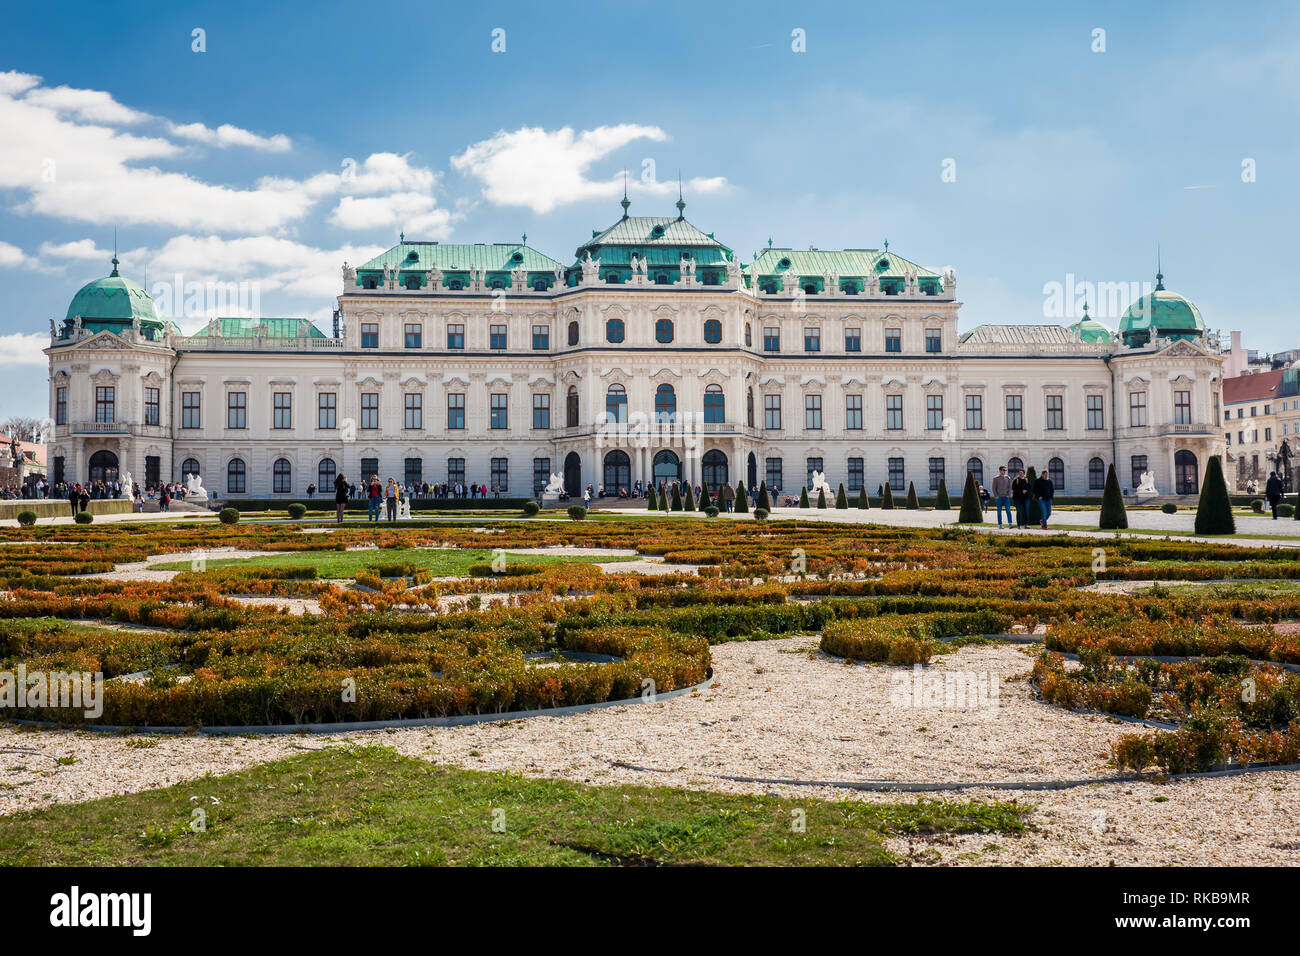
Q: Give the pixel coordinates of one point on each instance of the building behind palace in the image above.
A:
(654, 354)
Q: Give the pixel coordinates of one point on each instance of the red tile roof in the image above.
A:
(1259, 387)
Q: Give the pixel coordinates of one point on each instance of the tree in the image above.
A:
(821, 497)
(913, 504)
(1033, 513)
(863, 501)
(887, 498)
(763, 501)
(803, 498)
(652, 500)
(690, 499)
(941, 502)
(971, 512)
(663, 498)
(677, 498)
(1214, 510)
(1113, 515)
(20, 427)
(841, 499)
(742, 498)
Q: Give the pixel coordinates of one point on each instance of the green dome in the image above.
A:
(1160, 313)
(113, 301)
(1092, 331)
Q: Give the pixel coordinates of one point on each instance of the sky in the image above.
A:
(1030, 147)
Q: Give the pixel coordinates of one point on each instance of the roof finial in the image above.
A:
(681, 203)
(769, 242)
(1160, 279)
(525, 242)
(625, 203)
(401, 236)
(886, 245)
(115, 262)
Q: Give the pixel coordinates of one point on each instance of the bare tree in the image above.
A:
(20, 427)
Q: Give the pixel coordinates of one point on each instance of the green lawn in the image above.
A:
(441, 562)
(371, 806)
(1238, 590)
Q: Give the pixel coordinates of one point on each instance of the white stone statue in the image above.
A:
(128, 486)
(554, 488)
(194, 487)
(819, 484)
(1147, 488)
(404, 509)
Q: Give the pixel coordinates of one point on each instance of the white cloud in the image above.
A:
(92, 106)
(226, 135)
(10, 255)
(77, 249)
(22, 348)
(542, 169)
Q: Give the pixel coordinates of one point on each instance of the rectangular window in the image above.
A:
(896, 474)
(500, 410)
(934, 412)
(893, 340)
(497, 337)
(1015, 413)
(772, 340)
(369, 467)
(853, 412)
(413, 410)
(894, 412)
(542, 411)
(152, 407)
(855, 474)
(327, 410)
(813, 464)
(1137, 409)
(1096, 412)
(500, 475)
(282, 410)
(1139, 465)
(1055, 412)
(936, 473)
(853, 340)
(933, 340)
(812, 340)
(771, 411)
(975, 412)
(60, 466)
(61, 406)
(812, 412)
(236, 409)
(1268, 434)
(455, 471)
(414, 335)
(456, 411)
(774, 479)
(455, 336)
(541, 475)
(370, 335)
(369, 409)
(1183, 407)
(414, 471)
(541, 343)
(191, 410)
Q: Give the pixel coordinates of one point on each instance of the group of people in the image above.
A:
(1019, 490)
(418, 489)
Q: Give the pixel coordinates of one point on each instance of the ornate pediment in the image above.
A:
(103, 340)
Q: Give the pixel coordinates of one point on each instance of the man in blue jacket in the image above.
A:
(1043, 491)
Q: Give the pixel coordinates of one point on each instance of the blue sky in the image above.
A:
(232, 164)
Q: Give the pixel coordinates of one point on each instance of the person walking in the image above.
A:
(1043, 491)
(340, 495)
(375, 497)
(1002, 494)
(1273, 492)
(391, 494)
(729, 497)
(74, 495)
(1020, 491)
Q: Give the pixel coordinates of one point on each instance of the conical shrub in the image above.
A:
(677, 498)
(1214, 510)
(652, 500)
(763, 501)
(821, 497)
(742, 498)
(803, 498)
(689, 503)
(841, 499)
(913, 504)
(887, 499)
(941, 502)
(1032, 508)
(971, 512)
(1113, 515)
(863, 501)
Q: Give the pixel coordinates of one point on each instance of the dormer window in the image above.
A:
(517, 257)
(709, 278)
(413, 256)
(413, 282)
(810, 289)
(783, 264)
(657, 232)
(539, 285)
(769, 288)
(661, 278)
(455, 285)
(498, 284)
(369, 282)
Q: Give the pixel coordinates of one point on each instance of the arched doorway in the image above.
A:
(1186, 473)
(667, 467)
(103, 466)
(751, 472)
(715, 470)
(573, 475)
(618, 472)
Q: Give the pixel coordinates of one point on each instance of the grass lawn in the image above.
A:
(371, 806)
(1237, 590)
(442, 562)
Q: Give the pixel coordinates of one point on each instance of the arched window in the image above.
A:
(715, 405)
(235, 477)
(616, 404)
(281, 477)
(810, 288)
(571, 408)
(665, 403)
(667, 467)
(713, 331)
(1096, 475)
(103, 466)
(190, 466)
(1186, 473)
(618, 472)
(664, 331)
(325, 475)
(573, 333)
(1014, 465)
(976, 468)
(1056, 471)
(614, 330)
(714, 470)
(749, 408)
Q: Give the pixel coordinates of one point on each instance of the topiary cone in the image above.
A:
(763, 501)
(1113, 515)
(689, 503)
(821, 497)
(912, 503)
(677, 498)
(803, 498)
(652, 500)
(887, 498)
(863, 501)
(742, 498)
(841, 499)
(971, 512)
(1033, 512)
(941, 502)
(1214, 510)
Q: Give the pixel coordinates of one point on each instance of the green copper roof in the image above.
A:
(461, 257)
(1160, 313)
(236, 328)
(651, 232)
(1092, 331)
(113, 300)
(842, 262)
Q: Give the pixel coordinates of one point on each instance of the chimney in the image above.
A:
(1236, 363)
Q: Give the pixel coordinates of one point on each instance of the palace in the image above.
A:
(654, 354)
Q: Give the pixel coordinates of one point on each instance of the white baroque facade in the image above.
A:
(655, 354)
